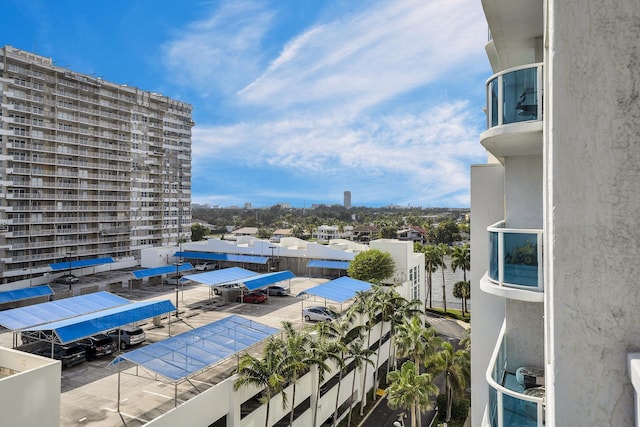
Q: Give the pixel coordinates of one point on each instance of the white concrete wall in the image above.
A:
(593, 173)
(524, 334)
(523, 192)
(31, 397)
(487, 207)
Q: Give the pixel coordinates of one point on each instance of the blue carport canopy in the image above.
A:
(218, 277)
(76, 328)
(189, 353)
(267, 279)
(53, 311)
(336, 265)
(250, 259)
(25, 293)
(338, 290)
(159, 271)
(59, 266)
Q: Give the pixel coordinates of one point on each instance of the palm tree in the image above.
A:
(416, 341)
(320, 350)
(431, 263)
(346, 333)
(296, 358)
(364, 306)
(443, 250)
(462, 290)
(456, 367)
(360, 356)
(401, 312)
(410, 390)
(461, 258)
(267, 372)
(385, 301)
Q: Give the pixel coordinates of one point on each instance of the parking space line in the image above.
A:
(115, 411)
(161, 395)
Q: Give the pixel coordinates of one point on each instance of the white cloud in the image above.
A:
(221, 52)
(339, 105)
(361, 60)
(424, 154)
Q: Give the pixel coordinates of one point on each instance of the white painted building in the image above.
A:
(554, 228)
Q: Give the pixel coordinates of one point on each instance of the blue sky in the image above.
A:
(295, 101)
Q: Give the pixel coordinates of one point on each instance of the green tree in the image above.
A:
(445, 232)
(443, 251)
(322, 349)
(462, 290)
(198, 232)
(268, 373)
(385, 301)
(297, 358)
(432, 261)
(371, 266)
(365, 306)
(461, 259)
(410, 390)
(417, 342)
(360, 356)
(456, 366)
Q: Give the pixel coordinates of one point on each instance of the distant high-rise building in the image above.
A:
(347, 199)
(88, 168)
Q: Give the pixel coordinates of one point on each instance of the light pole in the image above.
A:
(271, 261)
(69, 271)
(178, 264)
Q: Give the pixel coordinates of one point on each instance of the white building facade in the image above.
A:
(89, 168)
(553, 228)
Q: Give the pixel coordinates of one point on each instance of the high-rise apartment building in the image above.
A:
(554, 224)
(88, 168)
(347, 199)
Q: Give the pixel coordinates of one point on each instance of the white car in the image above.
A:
(219, 288)
(175, 280)
(318, 314)
(206, 266)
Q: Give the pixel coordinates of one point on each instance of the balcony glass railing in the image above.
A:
(510, 404)
(515, 257)
(515, 95)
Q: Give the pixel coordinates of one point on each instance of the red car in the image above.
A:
(252, 297)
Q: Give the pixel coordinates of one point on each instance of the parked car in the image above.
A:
(206, 266)
(318, 314)
(175, 280)
(98, 346)
(219, 288)
(275, 290)
(127, 336)
(67, 279)
(35, 336)
(252, 297)
(68, 354)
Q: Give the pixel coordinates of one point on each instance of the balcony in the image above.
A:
(514, 112)
(516, 398)
(515, 263)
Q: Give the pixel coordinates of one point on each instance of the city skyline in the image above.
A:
(294, 102)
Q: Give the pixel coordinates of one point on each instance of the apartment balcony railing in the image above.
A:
(515, 95)
(512, 404)
(515, 258)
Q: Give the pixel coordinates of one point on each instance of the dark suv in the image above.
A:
(68, 354)
(98, 346)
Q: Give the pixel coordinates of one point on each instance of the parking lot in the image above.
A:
(90, 390)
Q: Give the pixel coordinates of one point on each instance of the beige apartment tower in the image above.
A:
(88, 168)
